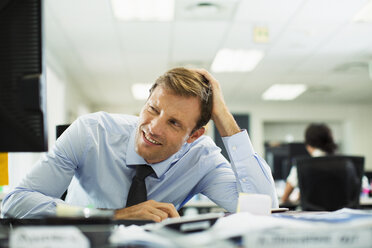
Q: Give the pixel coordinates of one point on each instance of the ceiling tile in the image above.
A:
(197, 41)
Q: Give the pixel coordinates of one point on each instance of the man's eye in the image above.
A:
(174, 123)
(152, 109)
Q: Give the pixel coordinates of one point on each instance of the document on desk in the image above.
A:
(240, 224)
(137, 236)
(186, 231)
(343, 228)
(183, 232)
(350, 216)
(337, 229)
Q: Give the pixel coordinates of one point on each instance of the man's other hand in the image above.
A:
(148, 210)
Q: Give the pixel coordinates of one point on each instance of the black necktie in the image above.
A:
(137, 192)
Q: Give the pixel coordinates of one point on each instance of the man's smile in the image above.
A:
(149, 139)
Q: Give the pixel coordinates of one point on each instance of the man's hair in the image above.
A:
(189, 83)
(319, 135)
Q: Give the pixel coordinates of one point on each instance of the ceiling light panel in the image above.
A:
(229, 60)
(283, 92)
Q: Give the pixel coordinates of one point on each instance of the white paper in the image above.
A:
(136, 235)
(254, 203)
(242, 223)
(51, 236)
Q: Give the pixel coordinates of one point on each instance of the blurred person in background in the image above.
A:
(319, 142)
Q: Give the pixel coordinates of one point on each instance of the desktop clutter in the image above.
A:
(254, 225)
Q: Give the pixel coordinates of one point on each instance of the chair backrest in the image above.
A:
(330, 183)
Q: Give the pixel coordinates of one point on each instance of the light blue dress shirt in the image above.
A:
(95, 158)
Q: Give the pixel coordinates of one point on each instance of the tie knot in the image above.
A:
(142, 171)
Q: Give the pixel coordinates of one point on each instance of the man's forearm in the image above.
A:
(225, 123)
(26, 204)
(252, 172)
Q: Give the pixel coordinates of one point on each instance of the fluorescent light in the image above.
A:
(365, 14)
(228, 60)
(284, 92)
(141, 91)
(143, 10)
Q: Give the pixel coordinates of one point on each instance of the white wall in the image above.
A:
(294, 131)
(56, 104)
(75, 104)
(356, 123)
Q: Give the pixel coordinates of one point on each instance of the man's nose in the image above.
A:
(156, 126)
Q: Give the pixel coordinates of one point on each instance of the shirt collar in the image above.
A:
(132, 157)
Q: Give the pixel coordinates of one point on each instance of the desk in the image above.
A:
(97, 230)
(235, 230)
(366, 202)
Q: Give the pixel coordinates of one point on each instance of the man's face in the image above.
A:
(165, 124)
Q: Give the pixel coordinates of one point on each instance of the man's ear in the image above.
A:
(196, 135)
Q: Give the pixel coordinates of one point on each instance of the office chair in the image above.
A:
(330, 183)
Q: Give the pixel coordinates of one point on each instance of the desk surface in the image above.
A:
(366, 201)
(99, 234)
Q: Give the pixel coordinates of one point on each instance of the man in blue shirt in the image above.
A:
(96, 157)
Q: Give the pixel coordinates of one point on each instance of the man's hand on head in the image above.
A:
(219, 105)
(221, 115)
(148, 210)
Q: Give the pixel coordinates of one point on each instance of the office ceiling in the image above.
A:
(313, 42)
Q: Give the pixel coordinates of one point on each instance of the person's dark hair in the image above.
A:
(186, 82)
(319, 135)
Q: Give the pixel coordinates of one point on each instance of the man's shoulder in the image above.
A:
(204, 149)
(109, 120)
(205, 142)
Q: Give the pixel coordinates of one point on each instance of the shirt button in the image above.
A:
(234, 148)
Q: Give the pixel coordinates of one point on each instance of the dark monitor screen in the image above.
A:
(23, 124)
(281, 158)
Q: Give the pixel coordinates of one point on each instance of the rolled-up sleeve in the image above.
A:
(251, 171)
(247, 172)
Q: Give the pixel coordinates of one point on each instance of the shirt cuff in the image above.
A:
(239, 144)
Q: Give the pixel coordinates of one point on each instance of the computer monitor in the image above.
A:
(280, 158)
(23, 125)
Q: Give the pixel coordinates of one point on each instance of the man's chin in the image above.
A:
(145, 155)
(152, 160)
